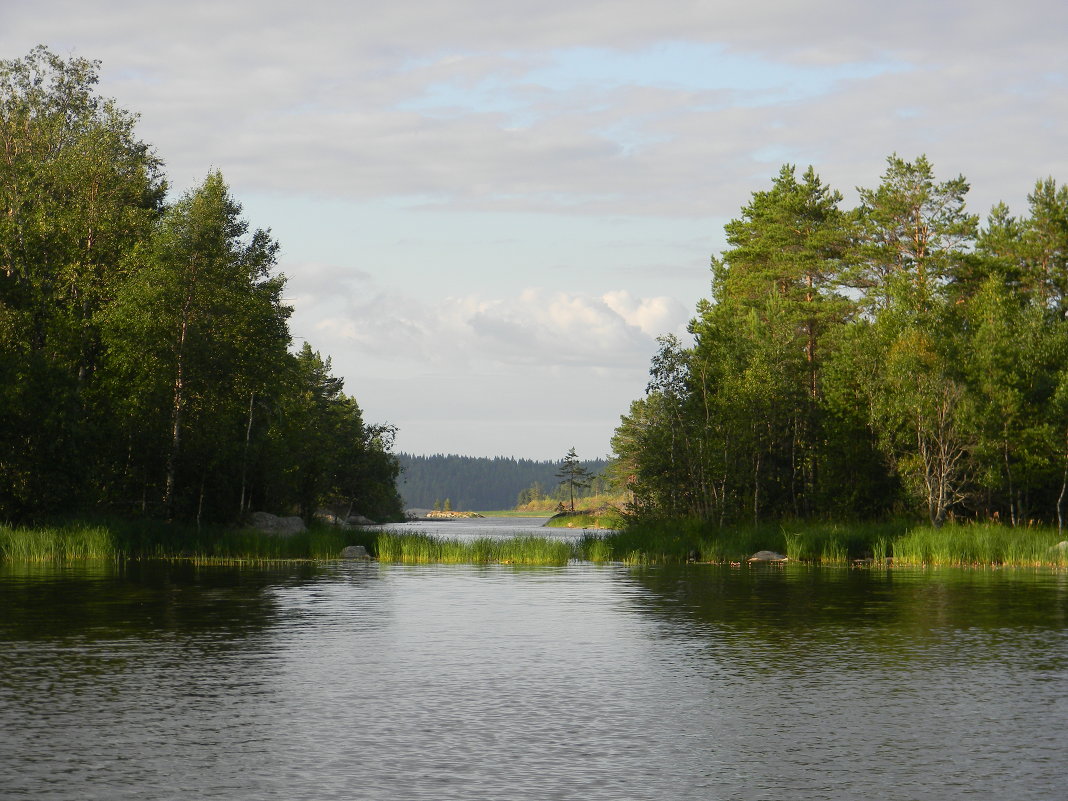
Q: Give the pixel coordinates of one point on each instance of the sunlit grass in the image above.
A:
(417, 548)
(979, 544)
(74, 541)
(608, 518)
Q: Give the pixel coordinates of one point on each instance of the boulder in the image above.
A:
(273, 524)
(767, 556)
(359, 520)
(354, 552)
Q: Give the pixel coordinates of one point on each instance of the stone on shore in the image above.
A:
(354, 552)
(273, 524)
(767, 556)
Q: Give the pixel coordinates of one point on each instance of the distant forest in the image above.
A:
(477, 483)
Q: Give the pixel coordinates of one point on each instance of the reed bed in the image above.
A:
(416, 548)
(157, 540)
(980, 544)
(885, 543)
(55, 543)
(646, 542)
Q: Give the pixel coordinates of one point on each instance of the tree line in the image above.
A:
(145, 363)
(896, 358)
(473, 483)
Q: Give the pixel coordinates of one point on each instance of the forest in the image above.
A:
(472, 483)
(145, 361)
(896, 359)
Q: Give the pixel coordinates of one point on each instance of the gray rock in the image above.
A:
(354, 552)
(767, 556)
(273, 524)
(359, 520)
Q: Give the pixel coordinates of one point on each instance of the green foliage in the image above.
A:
(144, 363)
(893, 359)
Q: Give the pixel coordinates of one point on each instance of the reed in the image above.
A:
(980, 544)
(123, 539)
(71, 541)
(894, 541)
(417, 548)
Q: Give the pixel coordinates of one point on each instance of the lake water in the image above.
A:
(353, 680)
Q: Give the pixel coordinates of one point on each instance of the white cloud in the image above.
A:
(538, 328)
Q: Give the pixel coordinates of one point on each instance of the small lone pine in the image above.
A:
(573, 474)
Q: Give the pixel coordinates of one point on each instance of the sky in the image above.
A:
(488, 212)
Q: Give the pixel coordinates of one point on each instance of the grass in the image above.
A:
(156, 540)
(119, 539)
(892, 542)
(646, 542)
(515, 513)
(588, 518)
(416, 548)
(550, 506)
(980, 544)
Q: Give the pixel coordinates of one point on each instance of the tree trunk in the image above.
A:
(1064, 489)
(244, 455)
(756, 492)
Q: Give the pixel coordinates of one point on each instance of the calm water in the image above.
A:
(368, 681)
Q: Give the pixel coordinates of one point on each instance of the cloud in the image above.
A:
(539, 329)
(594, 107)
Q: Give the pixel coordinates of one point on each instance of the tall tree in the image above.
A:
(77, 190)
(914, 231)
(196, 330)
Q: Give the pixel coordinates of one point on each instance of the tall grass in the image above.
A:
(157, 540)
(73, 541)
(645, 542)
(980, 544)
(659, 541)
(416, 548)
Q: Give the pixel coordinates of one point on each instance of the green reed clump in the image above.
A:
(679, 540)
(149, 539)
(668, 541)
(418, 548)
(56, 542)
(979, 544)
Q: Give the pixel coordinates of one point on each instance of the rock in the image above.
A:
(1061, 546)
(359, 520)
(767, 556)
(273, 524)
(354, 552)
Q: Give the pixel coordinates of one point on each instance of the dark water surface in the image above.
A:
(369, 681)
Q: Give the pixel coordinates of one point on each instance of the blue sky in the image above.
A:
(488, 212)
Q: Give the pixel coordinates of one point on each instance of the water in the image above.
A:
(490, 527)
(354, 680)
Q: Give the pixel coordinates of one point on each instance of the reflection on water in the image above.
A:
(368, 681)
